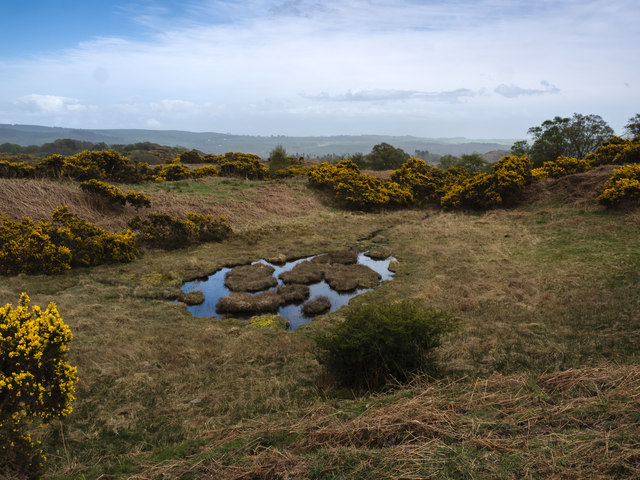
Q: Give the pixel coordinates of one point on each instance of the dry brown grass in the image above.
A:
(248, 209)
(250, 278)
(567, 425)
(346, 278)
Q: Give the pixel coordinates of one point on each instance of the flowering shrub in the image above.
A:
(36, 383)
(206, 171)
(26, 247)
(356, 191)
(607, 152)
(161, 230)
(90, 245)
(137, 199)
(16, 170)
(242, 165)
(507, 179)
(171, 172)
(105, 191)
(624, 185)
(114, 195)
(560, 167)
(427, 184)
(53, 247)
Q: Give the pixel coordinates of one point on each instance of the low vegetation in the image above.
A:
(517, 321)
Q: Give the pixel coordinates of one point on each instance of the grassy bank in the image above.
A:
(539, 380)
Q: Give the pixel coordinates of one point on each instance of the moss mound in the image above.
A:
(344, 257)
(378, 254)
(304, 273)
(317, 306)
(250, 278)
(241, 303)
(269, 321)
(293, 293)
(345, 278)
(192, 298)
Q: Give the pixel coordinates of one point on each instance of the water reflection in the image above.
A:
(213, 289)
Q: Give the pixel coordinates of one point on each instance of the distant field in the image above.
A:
(539, 380)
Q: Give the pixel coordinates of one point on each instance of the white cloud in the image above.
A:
(50, 104)
(230, 65)
(513, 91)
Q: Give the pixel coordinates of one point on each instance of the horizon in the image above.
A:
(487, 69)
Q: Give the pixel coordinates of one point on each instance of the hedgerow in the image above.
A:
(36, 382)
(161, 230)
(623, 186)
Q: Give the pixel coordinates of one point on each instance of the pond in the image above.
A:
(214, 289)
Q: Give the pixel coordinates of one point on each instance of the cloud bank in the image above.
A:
(298, 67)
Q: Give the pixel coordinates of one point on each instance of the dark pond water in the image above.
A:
(213, 289)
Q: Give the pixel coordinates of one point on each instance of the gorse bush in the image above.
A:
(36, 382)
(377, 344)
(89, 244)
(622, 187)
(107, 192)
(26, 247)
(508, 178)
(53, 247)
(560, 167)
(161, 230)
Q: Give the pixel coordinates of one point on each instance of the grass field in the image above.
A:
(540, 378)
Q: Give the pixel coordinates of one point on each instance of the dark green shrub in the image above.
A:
(377, 344)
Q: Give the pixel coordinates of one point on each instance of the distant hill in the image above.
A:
(218, 143)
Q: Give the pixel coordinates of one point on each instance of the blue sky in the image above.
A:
(475, 69)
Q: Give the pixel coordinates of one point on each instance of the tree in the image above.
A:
(472, 162)
(278, 159)
(632, 128)
(521, 147)
(386, 157)
(36, 383)
(572, 137)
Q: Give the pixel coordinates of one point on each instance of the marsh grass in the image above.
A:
(540, 377)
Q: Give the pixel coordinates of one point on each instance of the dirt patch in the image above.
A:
(317, 306)
(576, 189)
(250, 278)
(345, 278)
(304, 273)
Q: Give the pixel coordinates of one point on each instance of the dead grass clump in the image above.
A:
(345, 278)
(293, 293)
(316, 306)
(576, 189)
(241, 303)
(250, 278)
(304, 273)
(378, 254)
(192, 298)
(344, 257)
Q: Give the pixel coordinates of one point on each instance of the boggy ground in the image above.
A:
(540, 379)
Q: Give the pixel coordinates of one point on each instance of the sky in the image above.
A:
(478, 69)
